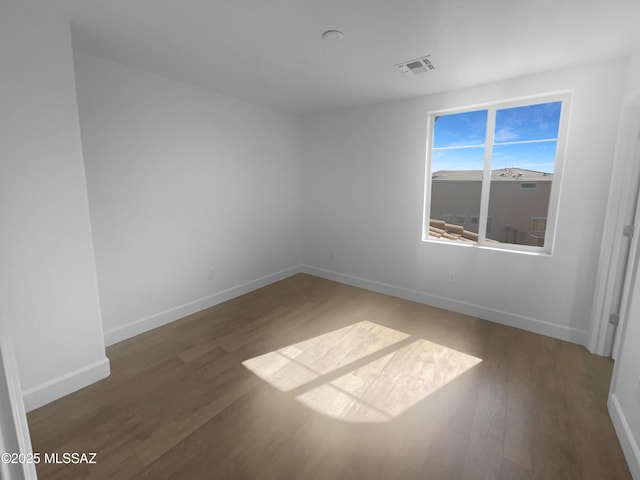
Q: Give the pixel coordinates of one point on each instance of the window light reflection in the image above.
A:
(361, 373)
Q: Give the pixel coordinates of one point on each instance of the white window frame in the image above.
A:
(549, 239)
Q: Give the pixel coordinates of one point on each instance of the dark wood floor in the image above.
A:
(311, 379)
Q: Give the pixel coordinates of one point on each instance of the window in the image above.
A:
(539, 224)
(501, 163)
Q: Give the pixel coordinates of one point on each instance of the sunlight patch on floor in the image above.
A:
(297, 364)
(384, 388)
(361, 373)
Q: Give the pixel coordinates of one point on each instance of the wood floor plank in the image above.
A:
(483, 457)
(512, 471)
(312, 379)
(520, 413)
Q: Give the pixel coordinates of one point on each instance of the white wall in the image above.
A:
(182, 180)
(633, 78)
(48, 290)
(363, 180)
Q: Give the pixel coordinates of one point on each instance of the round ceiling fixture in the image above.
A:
(332, 36)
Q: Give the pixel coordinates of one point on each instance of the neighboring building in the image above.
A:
(518, 202)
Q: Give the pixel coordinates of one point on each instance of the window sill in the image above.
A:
(528, 250)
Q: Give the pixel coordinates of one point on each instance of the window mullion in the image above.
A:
(486, 176)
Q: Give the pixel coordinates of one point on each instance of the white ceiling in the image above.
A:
(270, 52)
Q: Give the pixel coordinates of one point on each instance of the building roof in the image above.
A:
(511, 174)
(441, 229)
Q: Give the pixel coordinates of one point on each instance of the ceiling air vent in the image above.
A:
(417, 66)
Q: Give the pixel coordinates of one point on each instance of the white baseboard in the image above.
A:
(162, 318)
(44, 393)
(625, 436)
(506, 318)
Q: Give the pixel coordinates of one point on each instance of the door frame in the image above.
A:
(619, 212)
(14, 433)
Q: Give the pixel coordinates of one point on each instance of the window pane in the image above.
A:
(530, 122)
(456, 184)
(460, 129)
(538, 157)
(457, 163)
(540, 224)
(522, 167)
(513, 203)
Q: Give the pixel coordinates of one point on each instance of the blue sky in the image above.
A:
(459, 139)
